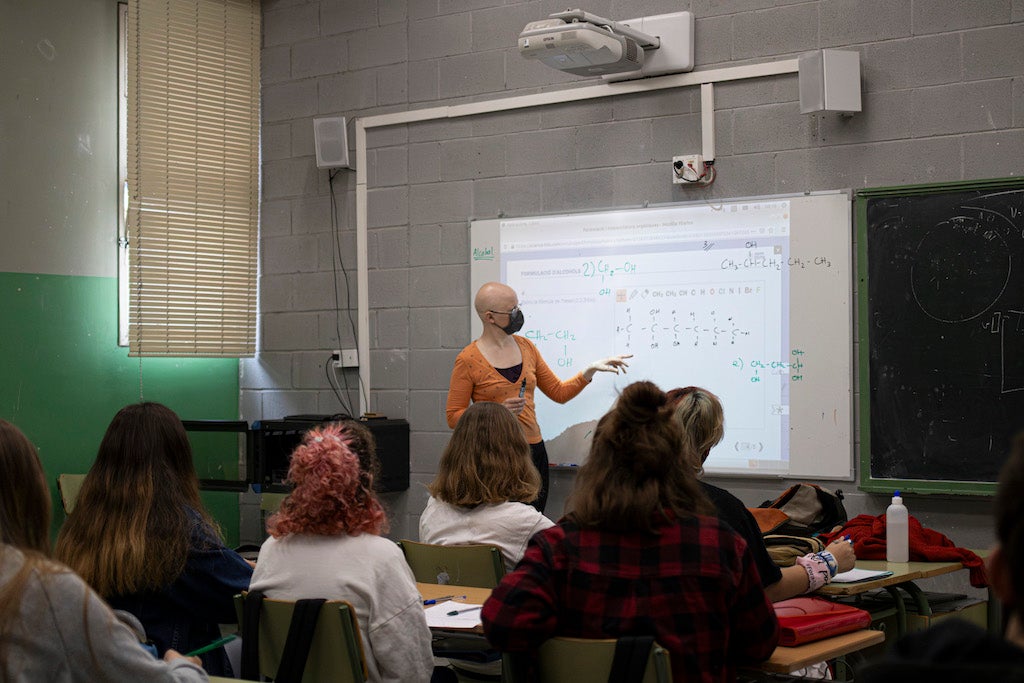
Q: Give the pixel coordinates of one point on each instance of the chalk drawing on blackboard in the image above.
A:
(977, 260)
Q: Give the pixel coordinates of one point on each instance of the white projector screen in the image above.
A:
(749, 299)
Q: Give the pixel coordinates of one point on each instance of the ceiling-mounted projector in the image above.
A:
(580, 48)
(581, 43)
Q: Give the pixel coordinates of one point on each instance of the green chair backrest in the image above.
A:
(68, 485)
(463, 565)
(336, 653)
(270, 502)
(566, 660)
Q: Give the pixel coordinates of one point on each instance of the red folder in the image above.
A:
(804, 620)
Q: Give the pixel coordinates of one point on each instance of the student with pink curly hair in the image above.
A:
(325, 543)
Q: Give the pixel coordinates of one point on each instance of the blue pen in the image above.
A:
(434, 601)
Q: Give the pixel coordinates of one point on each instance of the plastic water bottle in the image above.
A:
(897, 531)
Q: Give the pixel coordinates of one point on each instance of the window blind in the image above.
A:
(193, 176)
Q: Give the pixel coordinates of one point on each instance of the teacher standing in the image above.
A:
(505, 368)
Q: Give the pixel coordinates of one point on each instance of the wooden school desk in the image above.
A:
(789, 659)
(783, 660)
(903, 576)
(474, 596)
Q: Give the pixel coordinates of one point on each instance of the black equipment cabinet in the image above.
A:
(274, 441)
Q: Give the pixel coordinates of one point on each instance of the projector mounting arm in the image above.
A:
(643, 40)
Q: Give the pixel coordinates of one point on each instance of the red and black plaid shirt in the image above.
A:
(693, 586)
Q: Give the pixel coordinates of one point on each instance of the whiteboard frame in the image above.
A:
(836, 442)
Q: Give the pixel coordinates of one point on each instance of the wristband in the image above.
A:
(817, 569)
(830, 560)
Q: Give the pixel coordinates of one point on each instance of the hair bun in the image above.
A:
(640, 402)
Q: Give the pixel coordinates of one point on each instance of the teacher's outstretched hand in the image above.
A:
(610, 364)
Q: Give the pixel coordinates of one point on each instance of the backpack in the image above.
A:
(802, 510)
(785, 549)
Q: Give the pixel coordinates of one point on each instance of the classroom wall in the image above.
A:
(62, 374)
(943, 100)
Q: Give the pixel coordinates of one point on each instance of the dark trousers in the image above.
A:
(539, 454)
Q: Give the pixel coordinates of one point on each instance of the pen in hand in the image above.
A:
(456, 612)
(212, 646)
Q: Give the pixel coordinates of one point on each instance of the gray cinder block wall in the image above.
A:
(943, 100)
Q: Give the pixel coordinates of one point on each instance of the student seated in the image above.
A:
(326, 543)
(638, 554)
(139, 535)
(955, 651)
(53, 627)
(700, 414)
(484, 485)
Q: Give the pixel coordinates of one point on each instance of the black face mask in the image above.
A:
(515, 322)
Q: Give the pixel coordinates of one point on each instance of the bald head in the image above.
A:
(494, 296)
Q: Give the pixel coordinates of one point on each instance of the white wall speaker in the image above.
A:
(829, 81)
(331, 136)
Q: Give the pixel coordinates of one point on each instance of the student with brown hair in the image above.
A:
(700, 414)
(637, 554)
(484, 485)
(52, 626)
(139, 535)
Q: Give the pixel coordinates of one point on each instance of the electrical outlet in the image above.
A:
(688, 169)
(344, 358)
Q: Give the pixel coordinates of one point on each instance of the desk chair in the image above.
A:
(460, 565)
(336, 653)
(270, 503)
(68, 485)
(567, 660)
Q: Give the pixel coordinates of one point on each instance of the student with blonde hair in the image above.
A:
(140, 536)
(638, 554)
(700, 414)
(484, 485)
(52, 626)
(503, 367)
(326, 543)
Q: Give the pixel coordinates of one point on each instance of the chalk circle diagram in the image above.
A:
(958, 256)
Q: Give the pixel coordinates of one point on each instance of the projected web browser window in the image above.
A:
(699, 296)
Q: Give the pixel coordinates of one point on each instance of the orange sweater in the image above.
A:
(474, 379)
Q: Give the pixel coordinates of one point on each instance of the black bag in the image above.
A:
(809, 509)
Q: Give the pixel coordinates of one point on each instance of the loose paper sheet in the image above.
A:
(468, 617)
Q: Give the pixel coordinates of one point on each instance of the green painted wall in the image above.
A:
(63, 377)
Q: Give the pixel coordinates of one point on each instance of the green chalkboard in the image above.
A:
(63, 377)
(941, 312)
